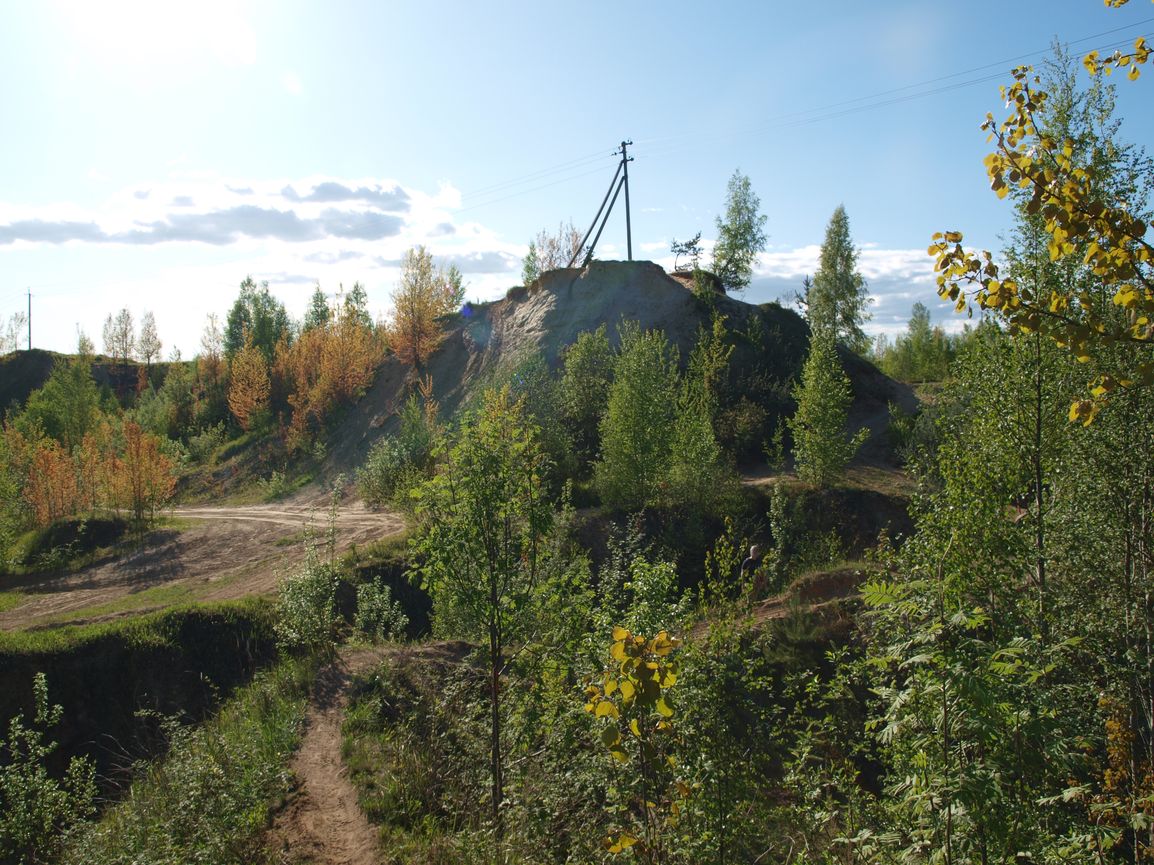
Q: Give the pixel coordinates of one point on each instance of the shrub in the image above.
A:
(378, 616)
(396, 463)
(307, 608)
(36, 810)
(204, 444)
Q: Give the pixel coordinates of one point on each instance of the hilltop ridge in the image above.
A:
(547, 316)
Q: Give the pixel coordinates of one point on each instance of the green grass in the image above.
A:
(154, 628)
(167, 596)
(8, 600)
(211, 799)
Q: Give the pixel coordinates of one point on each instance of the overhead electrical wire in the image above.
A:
(824, 113)
(681, 142)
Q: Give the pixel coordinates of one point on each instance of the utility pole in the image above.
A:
(30, 309)
(614, 190)
(625, 160)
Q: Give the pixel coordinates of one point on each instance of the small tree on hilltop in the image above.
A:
(821, 446)
(691, 249)
(148, 346)
(740, 235)
(837, 298)
(424, 294)
(550, 251)
(119, 336)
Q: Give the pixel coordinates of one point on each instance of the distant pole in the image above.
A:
(625, 160)
(30, 310)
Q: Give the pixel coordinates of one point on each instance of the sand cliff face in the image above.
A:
(547, 316)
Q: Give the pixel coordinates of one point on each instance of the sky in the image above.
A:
(153, 154)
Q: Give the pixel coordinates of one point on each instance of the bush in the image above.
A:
(275, 486)
(307, 608)
(378, 616)
(37, 811)
(396, 463)
(204, 444)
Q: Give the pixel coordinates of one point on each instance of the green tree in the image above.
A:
(482, 520)
(922, 353)
(691, 249)
(530, 265)
(700, 477)
(585, 383)
(257, 316)
(837, 299)
(68, 405)
(740, 235)
(637, 428)
(356, 306)
(822, 446)
(318, 313)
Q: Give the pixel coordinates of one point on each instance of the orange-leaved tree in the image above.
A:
(328, 364)
(424, 294)
(51, 486)
(1097, 231)
(146, 478)
(248, 389)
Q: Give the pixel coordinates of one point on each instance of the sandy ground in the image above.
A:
(227, 552)
(321, 823)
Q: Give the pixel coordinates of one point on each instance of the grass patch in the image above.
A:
(8, 600)
(392, 551)
(167, 596)
(152, 629)
(210, 801)
(301, 537)
(413, 744)
(70, 544)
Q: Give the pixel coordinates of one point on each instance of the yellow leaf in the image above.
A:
(619, 633)
(624, 842)
(606, 708)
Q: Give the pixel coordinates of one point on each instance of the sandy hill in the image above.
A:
(547, 316)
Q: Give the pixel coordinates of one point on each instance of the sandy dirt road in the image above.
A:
(225, 553)
(321, 823)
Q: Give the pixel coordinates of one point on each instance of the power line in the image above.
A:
(686, 141)
(598, 170)
(535, 175)
(1000, 65)
(823, 113)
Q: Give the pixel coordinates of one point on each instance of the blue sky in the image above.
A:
(153, 154)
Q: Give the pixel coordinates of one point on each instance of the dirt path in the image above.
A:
(322, 824)
(226, 553)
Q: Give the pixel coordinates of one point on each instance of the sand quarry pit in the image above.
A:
(225, 553)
